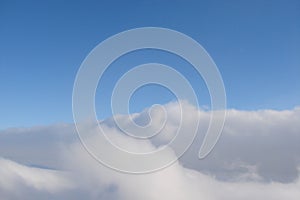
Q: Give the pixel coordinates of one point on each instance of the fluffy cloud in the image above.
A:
(263, 143)
(175, 182)
(17, 181)
(257, 157)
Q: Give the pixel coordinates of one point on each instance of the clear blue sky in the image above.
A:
(255, 44)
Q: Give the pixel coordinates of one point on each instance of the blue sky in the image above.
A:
(255, 44)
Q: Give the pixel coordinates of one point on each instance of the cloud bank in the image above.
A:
(257, 157)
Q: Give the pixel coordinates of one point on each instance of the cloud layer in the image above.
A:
(257, 157)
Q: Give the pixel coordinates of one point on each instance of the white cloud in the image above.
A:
(17, 179)
(175, 182)
(256, 158)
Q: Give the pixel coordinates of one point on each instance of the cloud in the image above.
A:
(175, 182)
(257, 157)
(19, 180)
(264, 142)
